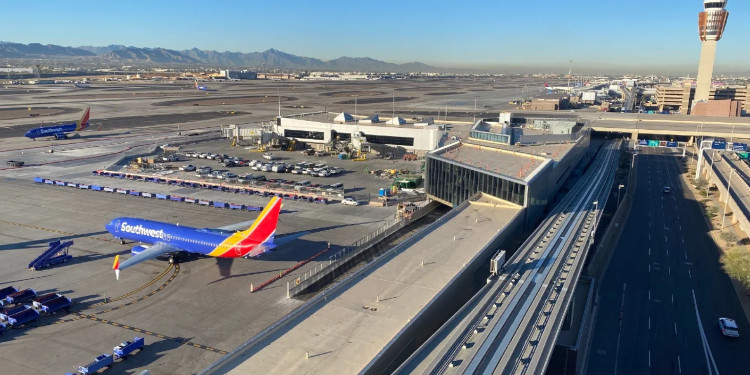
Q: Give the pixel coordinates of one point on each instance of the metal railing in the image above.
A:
(304, 279)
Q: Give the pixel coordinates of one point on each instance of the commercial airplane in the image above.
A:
(60, 131)
(200, 88)
(170, 239)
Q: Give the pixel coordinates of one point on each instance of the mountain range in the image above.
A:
(267, 59)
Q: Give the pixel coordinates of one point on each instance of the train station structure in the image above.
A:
(525, 169)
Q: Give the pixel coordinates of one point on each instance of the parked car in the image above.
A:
(269, 157)
(667, 190)
(349, 201)
(187, 168)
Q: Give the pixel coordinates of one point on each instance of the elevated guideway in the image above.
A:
(511, 326)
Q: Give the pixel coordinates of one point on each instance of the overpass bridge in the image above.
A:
(669, 125)
(511, 325)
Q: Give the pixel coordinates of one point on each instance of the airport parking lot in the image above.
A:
(355, 175)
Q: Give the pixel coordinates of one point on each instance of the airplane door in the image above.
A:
(117, 226)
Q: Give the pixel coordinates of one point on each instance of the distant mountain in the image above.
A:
(36, 50)
(371, 65)
(270, 59)
(103, 50)
(150, 55)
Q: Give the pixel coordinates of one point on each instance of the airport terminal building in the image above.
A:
(524, 169)
(321, 129)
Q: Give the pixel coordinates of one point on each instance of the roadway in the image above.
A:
(664, 290)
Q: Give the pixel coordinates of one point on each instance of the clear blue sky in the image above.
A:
(632, 34)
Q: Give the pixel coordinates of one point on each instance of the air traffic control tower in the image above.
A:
(711, 23)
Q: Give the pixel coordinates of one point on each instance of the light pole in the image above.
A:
(475, 109)
(731, 138)
(278, 94)
(619, 187)
(708, 174)
(355, 105)
(726, 201)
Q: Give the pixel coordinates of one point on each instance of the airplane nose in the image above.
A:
(111, 227)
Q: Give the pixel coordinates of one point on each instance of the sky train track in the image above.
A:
(512, 331)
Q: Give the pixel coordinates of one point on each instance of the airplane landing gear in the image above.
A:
(173, 259)
(122, 241)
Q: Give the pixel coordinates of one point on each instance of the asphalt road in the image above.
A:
(647, 321)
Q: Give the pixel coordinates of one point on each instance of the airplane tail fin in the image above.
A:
(196, 83)
(83, 123)
(255, 240)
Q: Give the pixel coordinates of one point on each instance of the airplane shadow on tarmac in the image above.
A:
(34, 243)
(301, 250)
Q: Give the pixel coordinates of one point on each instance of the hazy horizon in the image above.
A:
(597, 36)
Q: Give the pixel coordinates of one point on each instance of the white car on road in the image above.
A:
(728, 327)
(349, 201)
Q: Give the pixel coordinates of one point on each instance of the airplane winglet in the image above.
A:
(116, 267)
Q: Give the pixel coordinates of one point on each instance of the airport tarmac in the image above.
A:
(208, 303)
(192, 314)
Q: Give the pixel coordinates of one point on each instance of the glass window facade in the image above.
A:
(304, 134)
(491, 137)
(390, 140)
(455, 183)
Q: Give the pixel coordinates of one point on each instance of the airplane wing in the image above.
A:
(237, 226)
(159, 248)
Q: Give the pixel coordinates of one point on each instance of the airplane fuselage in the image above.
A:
(193, 240)
(58, 131)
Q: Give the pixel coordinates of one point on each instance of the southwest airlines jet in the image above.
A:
(169, 239)
(60, 131)
(201, 88)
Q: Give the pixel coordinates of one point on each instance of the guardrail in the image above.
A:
(340, 259)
